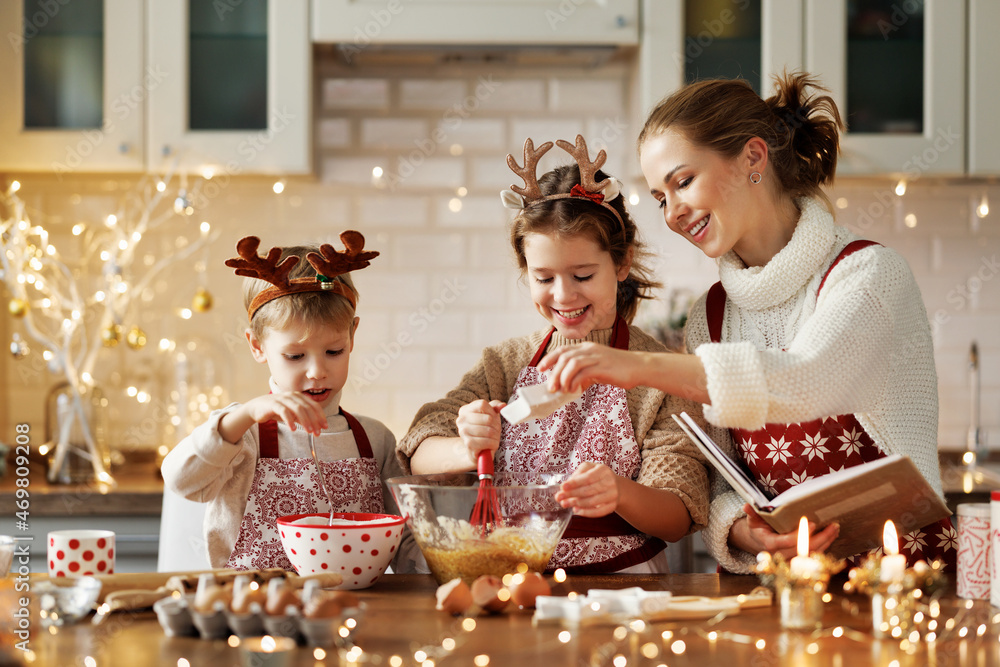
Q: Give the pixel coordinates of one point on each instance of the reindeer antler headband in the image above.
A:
(328, 263)
(520, 198)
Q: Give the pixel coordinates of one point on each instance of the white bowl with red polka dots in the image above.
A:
(78, 553)
(358, 547)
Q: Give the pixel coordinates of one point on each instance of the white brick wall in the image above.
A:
(446, 281)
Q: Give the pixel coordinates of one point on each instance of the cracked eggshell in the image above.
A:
(488, 593)
(454, 597)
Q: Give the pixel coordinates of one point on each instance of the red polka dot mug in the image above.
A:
(76, 553)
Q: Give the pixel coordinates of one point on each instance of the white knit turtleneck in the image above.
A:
(862, 347)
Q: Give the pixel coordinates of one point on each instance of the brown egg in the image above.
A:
(247, 596)
(347, 599)
(330, 604)
(279, 597)
(323, 605)
(488, 593)
(524, 588)
(454, 597)
(205, 599)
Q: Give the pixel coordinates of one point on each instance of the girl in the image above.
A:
(635, 480)
(814, 349)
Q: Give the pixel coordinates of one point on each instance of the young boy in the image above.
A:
(252, 462)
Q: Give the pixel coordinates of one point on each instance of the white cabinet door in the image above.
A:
(984, 88)
(280, 145)
(112, 142)
(934, 142)
(673, 42)
(358, 23)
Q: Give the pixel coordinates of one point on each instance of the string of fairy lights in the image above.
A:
(81, 295)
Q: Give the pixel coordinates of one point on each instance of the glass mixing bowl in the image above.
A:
(439, 511)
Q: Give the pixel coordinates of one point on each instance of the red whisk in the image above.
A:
(486, 511)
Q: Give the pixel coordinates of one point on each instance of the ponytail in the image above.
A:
(800, 126)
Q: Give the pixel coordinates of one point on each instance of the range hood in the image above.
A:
(519, 55)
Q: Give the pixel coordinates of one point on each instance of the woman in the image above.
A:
(814, 349)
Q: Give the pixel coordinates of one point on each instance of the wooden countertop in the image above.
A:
(401, 619)
(138, 491)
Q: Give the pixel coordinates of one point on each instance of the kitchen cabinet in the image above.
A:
(72, 71)
(235, 71)
(120, 85)
(686, 40)
(984, 88)
(896, 68)
(355, 24)
(897, 73)
(131, 509)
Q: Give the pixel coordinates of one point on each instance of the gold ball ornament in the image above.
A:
(111, 335)
(17, 307)
(202, 300)
(136, 338)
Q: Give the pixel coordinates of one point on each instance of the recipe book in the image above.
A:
(861, 498)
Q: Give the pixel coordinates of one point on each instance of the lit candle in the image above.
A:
(266, 651)
(893, 564)
(803, 565)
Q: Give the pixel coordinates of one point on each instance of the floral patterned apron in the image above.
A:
(595, 427)
(782, 455)
(282, 487)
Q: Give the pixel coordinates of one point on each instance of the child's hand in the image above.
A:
(479, 426)
(592, 490)
(292, 407)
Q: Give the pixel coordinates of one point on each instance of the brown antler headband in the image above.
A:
(328, 263)
(601, 193)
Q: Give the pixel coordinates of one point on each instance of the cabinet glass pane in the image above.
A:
(885, 66)
(722, 40)
(63, 64)
(228, 65)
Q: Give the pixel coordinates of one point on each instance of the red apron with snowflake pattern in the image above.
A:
(282, 487)
(595, 427)
(782, 455)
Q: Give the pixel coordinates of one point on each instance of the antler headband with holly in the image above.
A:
(602, 192)
(328, 263)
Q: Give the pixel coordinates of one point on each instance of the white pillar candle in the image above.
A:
(893, 565)
(803, 565)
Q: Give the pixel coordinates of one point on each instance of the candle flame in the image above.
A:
(889, 539)
(803, 544)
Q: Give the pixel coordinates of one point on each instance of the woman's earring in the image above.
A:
(755, 177)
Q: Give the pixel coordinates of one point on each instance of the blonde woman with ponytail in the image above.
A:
(813, 351)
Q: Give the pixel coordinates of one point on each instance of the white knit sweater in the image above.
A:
(862, 347)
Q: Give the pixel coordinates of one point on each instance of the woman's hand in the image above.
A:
(592, 490)
(576, 367)
(752, 534)
(479, 426)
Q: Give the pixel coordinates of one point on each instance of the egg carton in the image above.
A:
(179, 618)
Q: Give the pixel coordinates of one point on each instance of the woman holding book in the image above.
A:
(814, 349)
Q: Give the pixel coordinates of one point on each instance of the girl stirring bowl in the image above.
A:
(634, 481)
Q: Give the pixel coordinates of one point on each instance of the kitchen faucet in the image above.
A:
(975, 450)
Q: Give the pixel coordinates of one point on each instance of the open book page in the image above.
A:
(814, 484)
